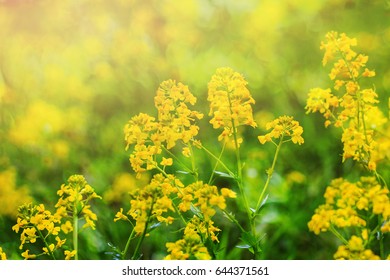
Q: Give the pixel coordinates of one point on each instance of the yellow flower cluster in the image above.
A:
(355, 250)
(73, 200)
(3, 256)
(37, 223)
(284, 128)
(230, 102)
(204, 197)
(151, 202)
(354, 108)
(175, 122)
(10, 194)
(353, 205)
(345, 203)
(191, 246)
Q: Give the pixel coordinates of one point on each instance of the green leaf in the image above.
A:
(245, 246)
(183, 172)
(223, 174)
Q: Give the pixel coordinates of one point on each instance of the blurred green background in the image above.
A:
(72, 73)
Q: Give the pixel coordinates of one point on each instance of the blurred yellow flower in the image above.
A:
(10, 195)
(3, 256)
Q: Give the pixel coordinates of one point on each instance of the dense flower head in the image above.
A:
(205, 198)
(174, 117)
(152, 202)
(323, 101)
(74, 198)
(230, 102)
(36, 222)
(355, 250)
(354, 205)
(190, 246)
(353, 108)
(3, 255)
(175, 122)
(285, 128)
(345, 202)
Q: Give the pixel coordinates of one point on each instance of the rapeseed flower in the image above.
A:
(230, 102)
(285, 128)
(190, 246)
(74, 198)
(353, 108)
(353, 205)
(151, 202)
(3, 256)
(175, 123)
(36, 223)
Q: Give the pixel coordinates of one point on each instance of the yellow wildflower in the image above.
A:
(120, 216)
(230, 102)
(175, 122)
(285, 128)
(190, 246)
(48, 250)
(67, 227)
(26, 255)
(3, 256)
(69, 254)
(354, 110)
(11, 195)
(74, 197)
(151, 202)
(166, 161)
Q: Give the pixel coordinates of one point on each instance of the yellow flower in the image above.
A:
(120, 216)
(60, 242)
(154, 196)
(354, 110)
(190, 246)
(355, 244)
(48, 250)
(74, 198)
(11, 195)
(230, 102)
(283, 127)
(26, 255)
(67, 227)
(3, 256)
(166, 161)
(320, 100)
(175, 123)
(228, 193)
(69, 254)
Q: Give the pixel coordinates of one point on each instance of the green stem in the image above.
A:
(219, 161)
(179, 213)
(193, 164)
(75, 233)
(177, 159)
(44, 241)
(338, 235)
(269, 174)
(124, 252)
(216, 164)
(234, 220)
